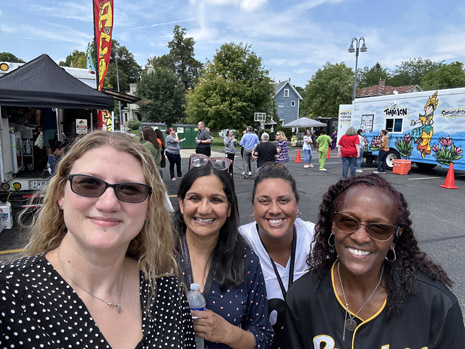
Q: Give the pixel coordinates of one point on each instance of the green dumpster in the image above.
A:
(187, 131)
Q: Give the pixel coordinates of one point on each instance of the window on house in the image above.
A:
(292, 103)
(286, 92)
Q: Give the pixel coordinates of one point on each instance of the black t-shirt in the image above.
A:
(265, 152)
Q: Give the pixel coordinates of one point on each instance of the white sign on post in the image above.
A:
(81, 126)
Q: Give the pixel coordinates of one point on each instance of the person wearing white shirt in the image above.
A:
(280, 239)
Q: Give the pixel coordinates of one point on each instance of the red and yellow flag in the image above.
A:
(103, 25)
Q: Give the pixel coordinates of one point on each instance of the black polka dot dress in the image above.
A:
(38, 309)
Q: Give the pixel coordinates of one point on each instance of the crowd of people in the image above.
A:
(107, 265)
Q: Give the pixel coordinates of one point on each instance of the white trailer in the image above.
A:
(427, 128)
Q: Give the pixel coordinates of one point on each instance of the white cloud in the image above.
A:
(245, 5)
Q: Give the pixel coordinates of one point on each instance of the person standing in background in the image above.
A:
(229, 149)
(323, 142)
(173, 152)
(150, 142)
(48, 122)
(265, 151)
(161, 141)
(383, 149)
(249, 141)
(349, 151)
(362, 146)
(203, 140)
(334, 140)
(281, 147)
(307, 148)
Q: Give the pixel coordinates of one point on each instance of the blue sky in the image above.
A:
(294, 38)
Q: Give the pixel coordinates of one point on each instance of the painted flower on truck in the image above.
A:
(446, 151)
(404, 145)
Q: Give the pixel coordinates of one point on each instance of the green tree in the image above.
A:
(446, 76)
(233, 87)
(371, 76)
(180, 58)
(128, 69)
(328, 88)
(411, 72)
(77, 59)
(166, 93)
(9, 57)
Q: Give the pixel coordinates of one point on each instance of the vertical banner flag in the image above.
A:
(103, 26)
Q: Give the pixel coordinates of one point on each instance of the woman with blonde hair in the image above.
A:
(100, 269)
(281, 147)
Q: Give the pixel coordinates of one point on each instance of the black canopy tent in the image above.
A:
(42, 83)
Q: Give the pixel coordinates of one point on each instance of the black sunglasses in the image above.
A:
(376, 231)
(93, 187)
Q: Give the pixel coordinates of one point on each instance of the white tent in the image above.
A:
(304, 122)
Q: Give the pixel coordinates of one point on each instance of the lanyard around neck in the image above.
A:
(188, 275)
(291, 267)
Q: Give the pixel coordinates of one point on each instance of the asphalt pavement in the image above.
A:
(437, 213)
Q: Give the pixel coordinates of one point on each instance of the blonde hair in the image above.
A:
(153, 247)
(282, 135)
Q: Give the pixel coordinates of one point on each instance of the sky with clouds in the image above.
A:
(294, 38)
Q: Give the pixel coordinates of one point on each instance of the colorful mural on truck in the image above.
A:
(425, 127)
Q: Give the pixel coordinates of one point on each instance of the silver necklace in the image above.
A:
(110, 304)
(349, 322)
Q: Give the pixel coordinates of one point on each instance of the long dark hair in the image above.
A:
(160, 136)
(400, 274)
(150, 136)
(227, 259)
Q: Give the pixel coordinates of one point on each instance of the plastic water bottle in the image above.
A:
(197, 302)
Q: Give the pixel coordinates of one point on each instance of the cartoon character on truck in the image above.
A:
(423, 134)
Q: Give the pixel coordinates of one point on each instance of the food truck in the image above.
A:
(72, 103)
(427, 128)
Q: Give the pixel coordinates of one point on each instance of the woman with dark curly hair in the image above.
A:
(369, 284)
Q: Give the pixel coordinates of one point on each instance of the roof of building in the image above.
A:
(280, 85)
(381, 90)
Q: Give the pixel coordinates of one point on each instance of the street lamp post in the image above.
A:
(357, 49)
(117, 86)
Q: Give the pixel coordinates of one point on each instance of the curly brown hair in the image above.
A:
(401, 274)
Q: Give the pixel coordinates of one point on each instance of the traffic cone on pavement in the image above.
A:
(297, 158)
(449, 183)
(329, 155)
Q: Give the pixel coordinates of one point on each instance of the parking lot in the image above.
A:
(437, 213)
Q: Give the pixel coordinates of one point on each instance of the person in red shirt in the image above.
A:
(349, 151)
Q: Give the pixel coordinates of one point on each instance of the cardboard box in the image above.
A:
(401, 166)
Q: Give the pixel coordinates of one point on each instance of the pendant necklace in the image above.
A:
(349, 323)
(117, 306)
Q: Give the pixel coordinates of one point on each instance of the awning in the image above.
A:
(126, 98)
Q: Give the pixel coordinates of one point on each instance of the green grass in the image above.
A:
(218, 143)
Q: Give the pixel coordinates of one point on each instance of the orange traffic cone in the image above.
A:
(297, 158)
(450, 180)
(329, 155)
